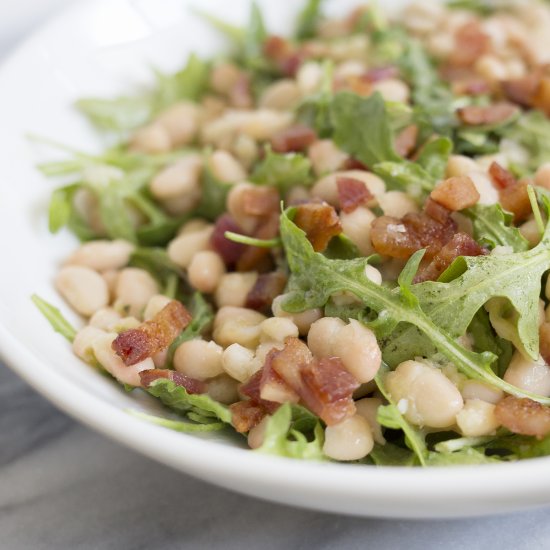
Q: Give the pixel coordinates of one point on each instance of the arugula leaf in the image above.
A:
(179, 425)
(254, 39)
(390, 417)
(176, 397)
(251, 241)
(55, 318)
(390, 454)
(315, 279)
(214, 195)
(434, 157)
(463, 457)
(284, 434)
(61, 206)
(157, 262)
(202, 314)
(283, 171)
(483, 7)
(493, 227)
(308, 19)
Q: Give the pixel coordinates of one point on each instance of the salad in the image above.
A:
(335, 244)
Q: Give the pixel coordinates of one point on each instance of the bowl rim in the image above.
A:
(516, 480)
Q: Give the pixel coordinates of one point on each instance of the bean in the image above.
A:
(397, 204)
(178, 180)
(84, 289)
(530, 230)
(477, 418)
(276, 329)
(199, 359)
(153, 139)
(487, 193)
(351, 439)
(226, 168)
(424, 395)
(83, 342)
(105, 318)
(281, 95)
(473, 389)
(206, 271)
(326, 157)
(233, 288)
(357, 225)
(224, 76)
(180, 122)
(302, 320)
(459, 165)
(327, 187)
(257, 434)
(542, 176)
(533, 376)
(183, 248)
(135, 287)
(322, 336)
(238, 362)
(368, 409)
(102, 255)
(155, 304)
(237, 325)
(309, 77)
(393, 89)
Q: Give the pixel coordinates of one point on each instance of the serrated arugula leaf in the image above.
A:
(314, 279)
(55, 318)
(283, 171)
(177, 398)
(286, 434)
(308, 19)
(199, 424)
(390, 417)
(434, 157)
(493, 227)
(468, 456)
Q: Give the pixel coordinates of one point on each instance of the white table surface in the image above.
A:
(63, 486)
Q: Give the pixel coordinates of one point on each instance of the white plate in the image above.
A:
(101, 48)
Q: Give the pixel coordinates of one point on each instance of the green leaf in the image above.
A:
(284, 434)
(463, 457)
(392, 455)
(283, 171)
(114, 213)
(254, 39)
(178, 425)
(157, 262)
(61, 206)
(341, 247)
(493, 227)
(308, 19)
(445, 310)
(434, 157)
(213, 198)
(55, 318)
(176, 397)
(251, 241)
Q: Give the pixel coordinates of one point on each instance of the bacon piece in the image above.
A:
(501, 177)
(515, 199)
(252, 388)
(228, 250)
(272, 387)
(353, 164)
(477, 115)
(328, 389)
(287, 363)
(436, 211)
(352, 193)
(294, 139)
(401, 238)
(245, 415)
(284, 54)
(260, 201)
(192, 385)
(522, 90)
(460, 245)
(405, 142)
(523, 416)
(456, 193)
(266, 288)
(240, 95)
(155, 335)
(472, 86)
(257, 258)
(377, 74)
(470, 44)
(320, 223)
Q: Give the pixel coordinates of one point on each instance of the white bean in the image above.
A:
(102, 255)
(206, 271)
(180, 179)
(105, 318)
(530, 230)
(533, 376)
(393, 89)
(358, 349)
(246, 150)
(460, 165)
(477, 418)
(323, 334)
(237, 325)
(282, 95)
(373, 274)
(424, 395)
(542, 177)
(368, 409)
(199, 359)
(235, 206)
(302, 320)
(397, 204)
(110, 276)
(83, 342)
(225, 167)
(487, 193)
(238, 362)
(351, 439)
(152, 139)
(326, 157)
(474, 389)
(181, 122)
(277, 329)
(134, 289)
(193, 226)
(84, 289)
(182, 249)
(113, 364)
(224, 76)
(257, 434)
(155, 304)
(309, 77)
(233, 288)
(357, 225)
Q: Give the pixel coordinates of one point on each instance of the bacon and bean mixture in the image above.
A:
(334, 243)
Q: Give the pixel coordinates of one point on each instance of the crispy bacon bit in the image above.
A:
(228, 250)
(470, 44)
(501, 177)
(515, 199)
(246, 414)
(284, 54)
(240, 95)
(261, 200)
(320, 223)
(477, 115)
(472, 86)
(353, 164)
(257, 258)
(436, 211)
(522, 90)
(523, 416)
(267, 287)
(287, 363)
(460, 245)
(192, 385)
(294, 139)
(272, 387)
(327, 389)
(252, 387)
(155, 335)
(405, 142)
(544, 338)
(401, 238)
(381, 73)
(352, 193)
(541, 99)
(456, 193)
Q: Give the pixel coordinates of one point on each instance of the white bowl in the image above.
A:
(106, 47)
